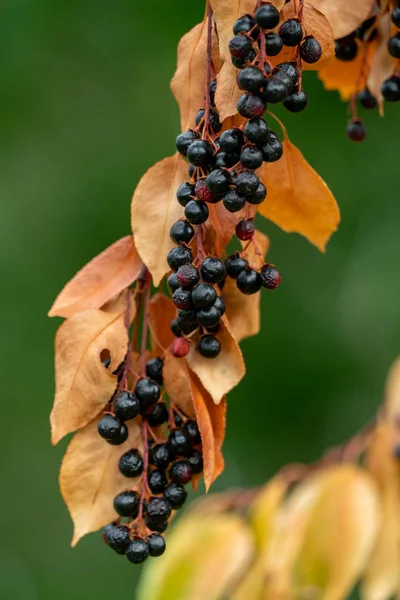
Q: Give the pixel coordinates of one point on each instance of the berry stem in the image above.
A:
(145, 326)
(207, 100)
(200, 247)
(127, 321)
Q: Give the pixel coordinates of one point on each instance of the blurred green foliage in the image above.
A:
(85, 109)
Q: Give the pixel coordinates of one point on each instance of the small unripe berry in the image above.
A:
(180, 347)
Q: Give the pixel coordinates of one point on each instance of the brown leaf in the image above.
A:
(83, 384)
(243, 312)
(154, 210)
(298, 199)
(177, 383)
(221, 374)
(102, 278)
(382, 65)
(162, 311)
(344, 15)
(224, 223)
(90, 478)
(211, 419)
(392, 395)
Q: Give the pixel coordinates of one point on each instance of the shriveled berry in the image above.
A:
(291, 32)
(117, 537)
(391, 89)
(199, 153)
(110, 428)
(310, 50)
(192, 430)
(126, 504)
(290, 68)
(180, 347)
(204, 295)
(367, 100)
(250, 79)
(346, 49)
(209, 346)
(259, 195)
(356, 131)
(181, 471)
(158, 414)
(233, 201)
(218, 181)
(249, 281)
(156, 544)
(182, 232)
(179, 256)
(126, 406)
(131, 464)
(196, 462)
(244, 24)
(240, 46)
(185, 193)
(137, 551)
(212, 269)
(179, 443)
(250, 106)
(183, 299)
(273, 44)
(276, 90)
(203, 193)
(184, 140)
(225, 160)
(245, 229)
(188, 276)
(208, 317)
(220, 305)
(196, 212)
(158, 509)
(273, 149)
(213, 117)
(157, 481)
(247, 183)
(267, 16)
(296, 102)
(256, 131)
(147, 391)
(396, 16)
(172, 283)
(251, 157)
(235, 264)
(175, 494)
(231, 140)
(270, 277)
(160, 456)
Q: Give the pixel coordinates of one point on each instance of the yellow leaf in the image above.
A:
(205, 556)
(90, 478)
(154, 210)
(298, 199)
(83, 384)
(344, 15)
(102, 278)
(264, 509)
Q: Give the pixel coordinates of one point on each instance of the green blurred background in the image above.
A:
(85, 109)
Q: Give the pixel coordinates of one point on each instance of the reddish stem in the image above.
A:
(145, 327)
(207, 100)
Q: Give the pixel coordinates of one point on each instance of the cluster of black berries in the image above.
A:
(167, 467)
(391, 86)
(249, 280)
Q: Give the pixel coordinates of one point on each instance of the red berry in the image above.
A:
(180, 347)
(203, 193)
(245, 230)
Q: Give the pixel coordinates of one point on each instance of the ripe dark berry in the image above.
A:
(154, 369)
(267, 16)
(181, 472)
(235, 264)
(244, 24)
(256, 131)
(346, 49)
(178, 419)
(250, 106)
(367, 100)
(179, 443)
(126, 504)
(156, 544)
(356, 131)
(126, 406)
(184, 140)
(213, 116)
(137, 551)
(245, 230)
(188, 276)
(214, 328)
(196, 462)
(176, 328)
(183, 299)
(175, 494)
(240, 46)
(209, 346)
(233, 202)
(296, 102)
(310, 50)
(212, 269)
(110, 429)
(270, 277)
(157, 481)
(182, 232)
(250, 79)
(291, 32)
(179, 256)
(224, 160)
(172, 283)
(273, 149)
(394, 45)
(276, 90)
(208, 317)
(147, 391)
(396, 16)
(363, 32)
(185, 193)
(180, 347)
(117, 537)
(247, 183)
(204, 295)
(158, 509)
(220, 305)
(231, 140)
(187, 321)
(391, 89)
(249, 281)
(251, 157)
(273, 44)
(131, 464)
(199, 153)
(196, 212)
(154, 525)
(160, 456)
(203, 193)
(192, 430)
(218, 181)
(290, 68)
(259, 195)
(158, 414)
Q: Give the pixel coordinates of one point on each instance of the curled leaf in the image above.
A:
(83, 384)
(90, 478)
(102, 278)
(154, 210)
(344, 16)
(177, 384)
(161, 312)
(298, 199)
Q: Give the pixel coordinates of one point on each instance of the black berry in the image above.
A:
(185, 193)
(154, 369)
(196, 212)
(181, 472)
(212, 269)
(179, 443)
(276, 90)
(158, 415)
(175, 494)
(270, 277)
(310, 50)
(231, 140)
(112, 429)
(117, 537)
(196, 462)
(137, 551)
(291, 32)
(157, 481)
(192, 430)
(199, 153)
(183, 299)
(187, 321)
(251, 157)
(158, 509)
(131, 464)
(256, 131)
(243, 24)
(396, 16)
(218, 181)
(245, 230)
(209, 346)
(391, 89)
(181, 255)
(126, 406)
(160, 456)
(155, 525)
(296, 102)
(235, 264)
(156, 544)
(346, 49)
(225, 160)
(250, 79)
(394, 45)
(213, 116)
(356, 131)
(250, 106)
(233, 201)
(259, 195)
(172, 283)
(208, 317)
(267, 16)
(367, 100)
(182, 232)
(147, 391)
(290, 68)
(188, 276)
(184, 140)
(247, 183)
(273, 149)
(249, 281)
(240, 46)
(220, 305)
(204, 295)
(126, 504)
(273, 44)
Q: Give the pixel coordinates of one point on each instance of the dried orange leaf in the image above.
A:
(90, 478)
(344, 15)
(224, 223)
(392, 394)
(177, 383)
(154, 210)
(243, 312)
(102, 278)
(298, 199)
(211, 421)
(162, 311)
(382, 65)
(83, 384)
(223, 373)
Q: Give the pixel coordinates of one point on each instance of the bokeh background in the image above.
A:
(85, 109)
